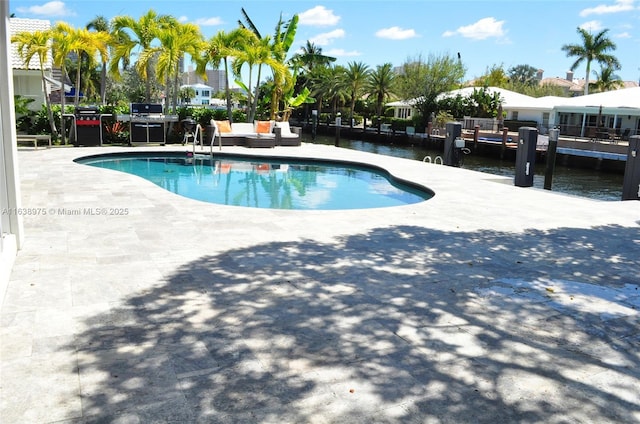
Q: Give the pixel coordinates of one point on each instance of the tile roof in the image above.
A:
(17, 25)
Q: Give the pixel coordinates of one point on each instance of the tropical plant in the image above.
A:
(64, 42)
(311, 57)
(606, 80)
(37, 44)
(255, 53)
(277, 47)
(593, 48)
(129, 34)
(380, 85)
(101, 24)
(221, 47)
(175, 41)
(356, 77)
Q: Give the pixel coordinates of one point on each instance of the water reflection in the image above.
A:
(575, 181)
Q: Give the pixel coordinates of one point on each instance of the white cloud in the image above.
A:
(342, 53)
(481, 30)
(623, 35)
(327, 37)
(396, 33)
(183, 19)
(619, 6)
(318, 16)
(52, 8)
(592, 26)
(209, 21)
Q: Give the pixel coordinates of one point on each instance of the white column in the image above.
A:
(10, 222)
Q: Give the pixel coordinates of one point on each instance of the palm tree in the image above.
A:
(175, 41)
(279, 47)
(311, 56)
(380, 85)
(144, 31)
(63, 44)
(606, 80)
(336, 87)
(592, 48)
(219, 48)
(255, 53)
(88, 44)
(37, 43)
(356, 77)
(101, 24)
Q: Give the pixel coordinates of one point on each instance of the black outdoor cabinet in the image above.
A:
(526, 156)
(145, 130)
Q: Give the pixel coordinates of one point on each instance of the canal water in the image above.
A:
(575, 181)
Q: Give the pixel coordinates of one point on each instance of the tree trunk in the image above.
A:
(47, 102)
(62, 105)
(227, 90)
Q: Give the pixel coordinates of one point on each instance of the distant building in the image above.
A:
(573, 86)
(215, 79)
(203, 94)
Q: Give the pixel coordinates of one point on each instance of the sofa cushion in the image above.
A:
(223, 126)
(242, 128)
(264, 127)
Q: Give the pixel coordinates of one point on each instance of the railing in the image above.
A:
(597, 133)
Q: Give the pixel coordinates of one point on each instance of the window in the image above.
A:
(205, 93)
(545, 119)
(205, 101)
(514, 115)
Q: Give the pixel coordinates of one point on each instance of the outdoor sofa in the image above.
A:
(256, 134)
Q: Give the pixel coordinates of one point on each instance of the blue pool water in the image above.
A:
(264, 183)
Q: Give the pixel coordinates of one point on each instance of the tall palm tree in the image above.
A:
(142, 34)
(336, 87)
(606, 80)
(38, 44)
(256, 52)
(356, 76)
(63, 43)
(592, 48)
(280, 44)
(175, 41)
(380, 85)
(219, 48)
(88, 44)
(101, 24)
(283, 79)
(311, 56)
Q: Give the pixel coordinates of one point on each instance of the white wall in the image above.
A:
(11, 230)
(28, 83)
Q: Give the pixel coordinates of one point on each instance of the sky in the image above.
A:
(486, 34)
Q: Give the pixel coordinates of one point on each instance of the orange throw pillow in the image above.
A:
(223, 126)
(263, 127)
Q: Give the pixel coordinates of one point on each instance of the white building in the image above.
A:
(203, 94)
(618, 110)
(27, 81)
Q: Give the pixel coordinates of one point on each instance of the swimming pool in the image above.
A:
(267, 183)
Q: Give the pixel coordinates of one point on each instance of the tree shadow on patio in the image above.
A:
(401, 324)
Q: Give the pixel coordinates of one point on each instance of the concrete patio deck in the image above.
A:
(488, 303)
